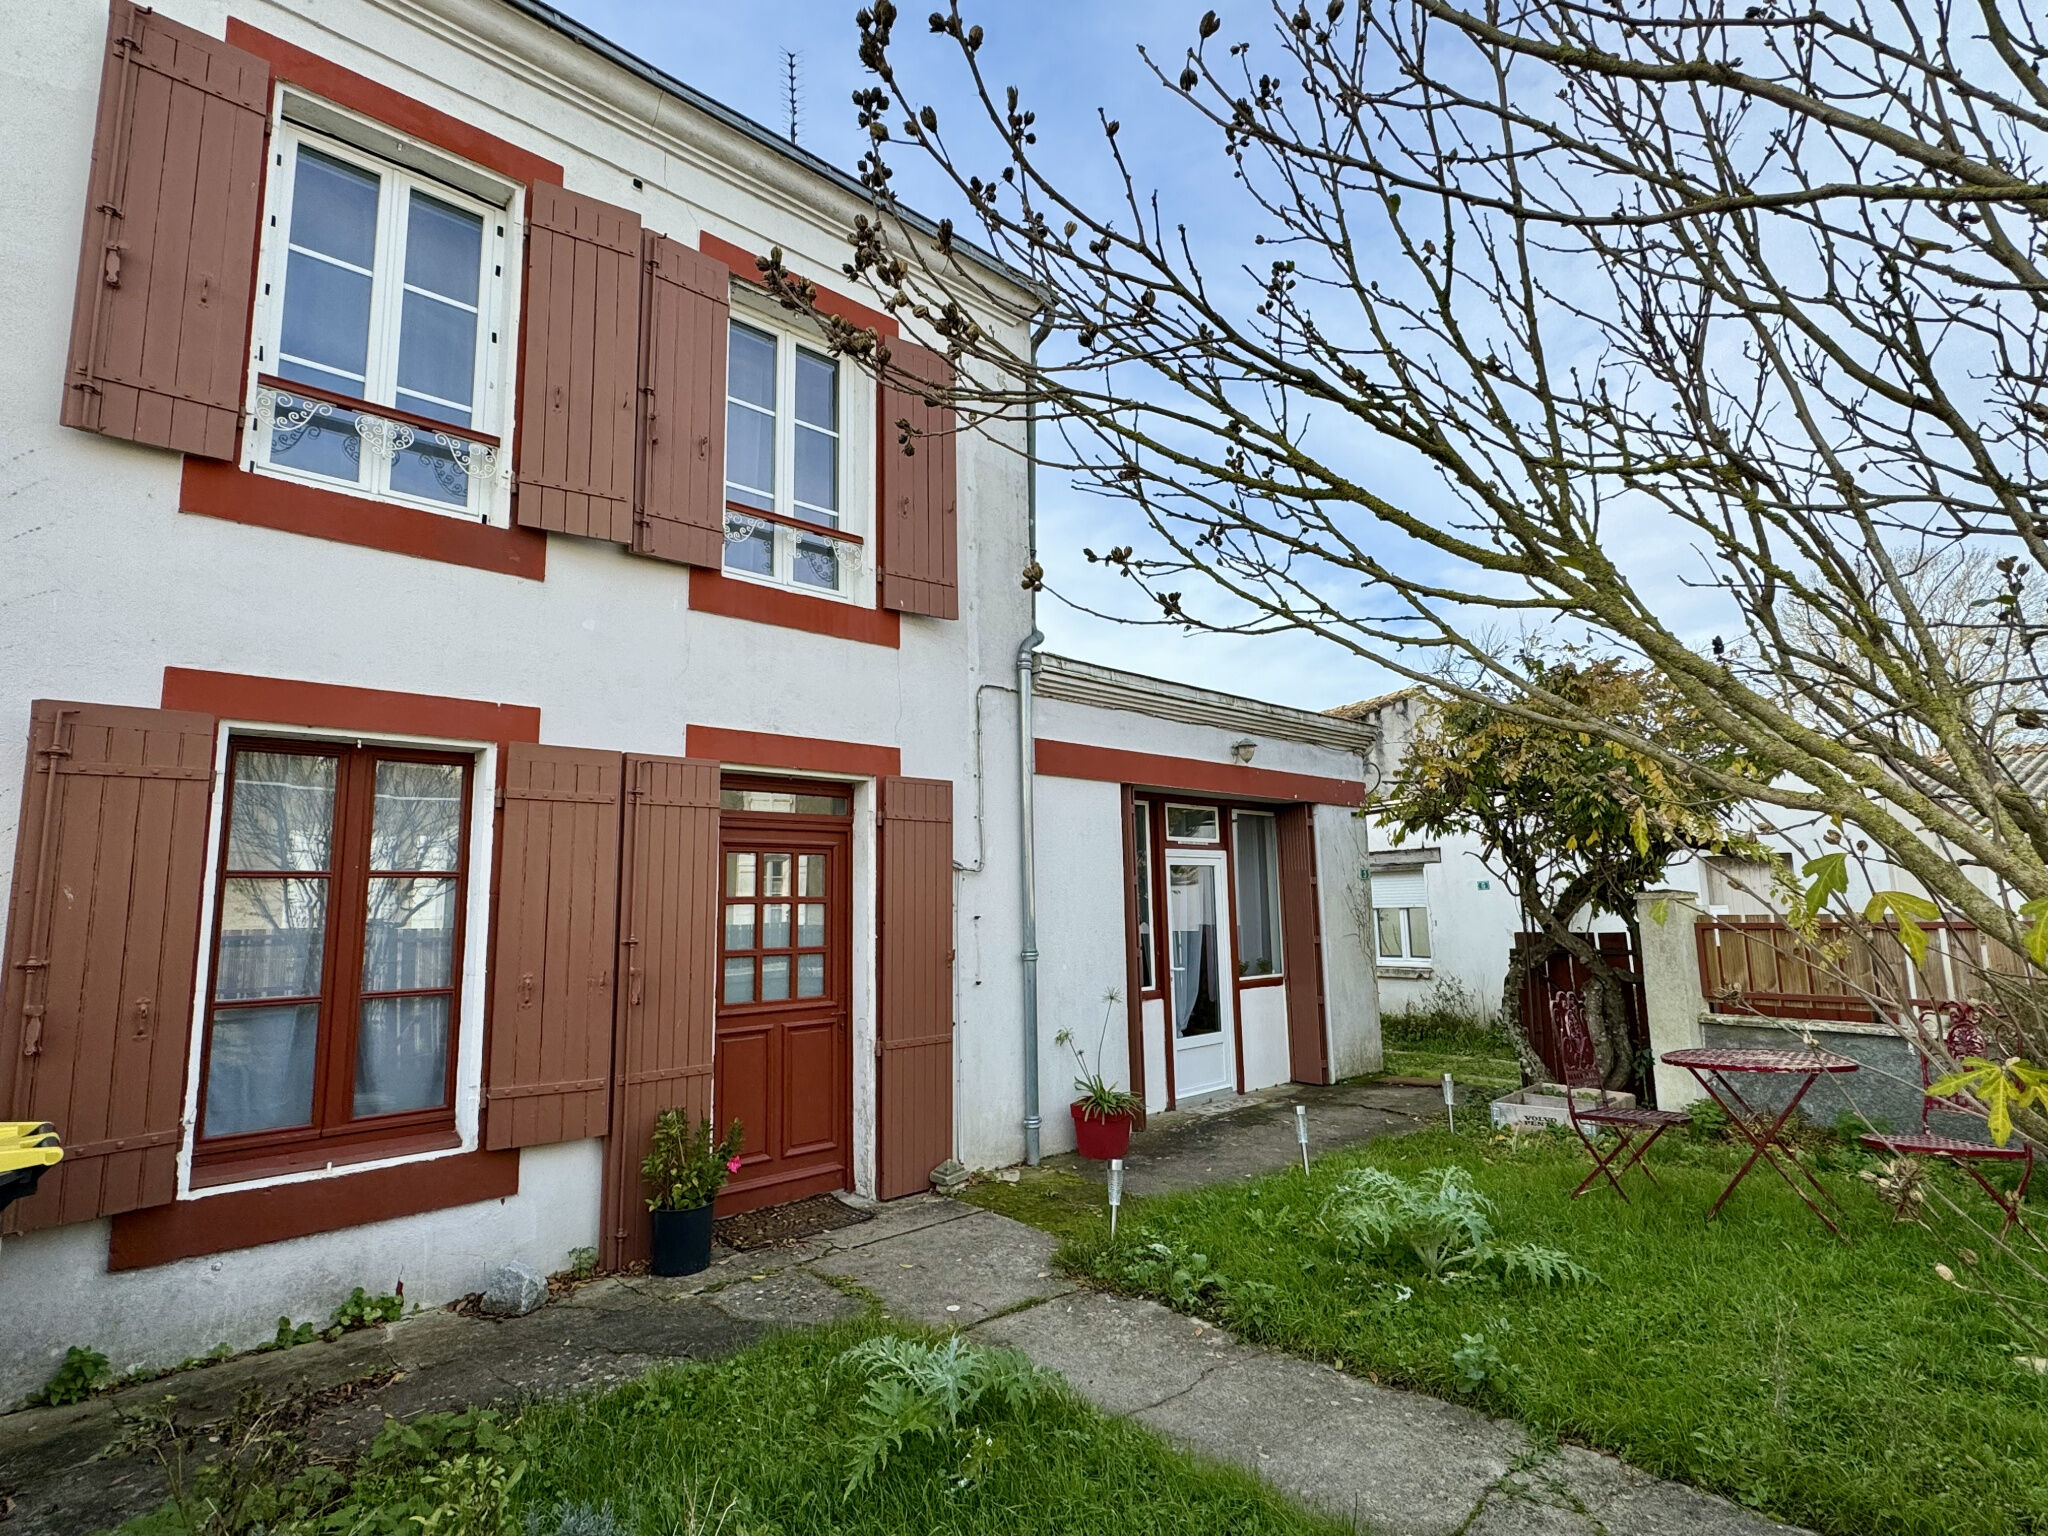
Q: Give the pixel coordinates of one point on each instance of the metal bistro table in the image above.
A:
(1713, 1067)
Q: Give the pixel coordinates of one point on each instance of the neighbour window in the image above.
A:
(376, 356)
(1193, 824)
(783, 464)
(1402, 911)
(1256, 855)
(1141, 851)
(337, 948)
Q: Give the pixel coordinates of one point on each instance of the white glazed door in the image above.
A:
(1198, 932)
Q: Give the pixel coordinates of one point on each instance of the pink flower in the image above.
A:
(733, 1166)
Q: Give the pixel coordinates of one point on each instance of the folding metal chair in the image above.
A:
(1636, 1129)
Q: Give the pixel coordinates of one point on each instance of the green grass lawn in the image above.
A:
(1844, 1387)
(1430, 1041)
(1480, 1071)
(762, 1444)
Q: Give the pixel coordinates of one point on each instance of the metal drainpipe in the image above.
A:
(1028, 768)
(1027, 764)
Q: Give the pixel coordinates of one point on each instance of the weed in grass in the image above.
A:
(82, 1373)
(1442, 1220)
(1476, 1362)
(931, 1391)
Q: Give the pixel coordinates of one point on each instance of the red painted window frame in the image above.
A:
(335, 1134)
(234, 494)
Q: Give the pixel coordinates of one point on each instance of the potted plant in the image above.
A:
(684, 1170)
(1103, 1114)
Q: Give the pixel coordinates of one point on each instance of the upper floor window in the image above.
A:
(785, 463)
(377, 347)
(1193, 824)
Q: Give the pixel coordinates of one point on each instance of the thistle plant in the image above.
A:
(933, 1392)
(1444, 1222)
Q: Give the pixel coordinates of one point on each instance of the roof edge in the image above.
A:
(1089, 683)
(739, 122)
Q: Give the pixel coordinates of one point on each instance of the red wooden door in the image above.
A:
(784, 1065)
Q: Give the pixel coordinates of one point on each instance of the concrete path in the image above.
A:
(1239, 1136)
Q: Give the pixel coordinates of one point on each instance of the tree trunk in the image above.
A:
(1606, 1000)
(1523, 960)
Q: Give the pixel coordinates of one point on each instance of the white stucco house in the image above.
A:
(474, 673)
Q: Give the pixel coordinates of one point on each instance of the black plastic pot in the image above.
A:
(682, 1241)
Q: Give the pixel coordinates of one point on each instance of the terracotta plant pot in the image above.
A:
(1101, 1136)
(682, 1241)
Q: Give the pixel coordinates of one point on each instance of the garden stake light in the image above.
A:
(1116, 1192)
(1450, 1102)
(1301, 1134)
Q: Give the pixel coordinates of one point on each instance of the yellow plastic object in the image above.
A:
(28, 1144)
(18, 1155)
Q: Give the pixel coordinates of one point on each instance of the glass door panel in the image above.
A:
(1197, 945)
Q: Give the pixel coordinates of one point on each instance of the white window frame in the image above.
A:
(469, 1039)
(1215, 840)
(856, 462)
(1404, 916)
(356, 141)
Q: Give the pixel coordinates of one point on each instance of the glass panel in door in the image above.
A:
(1202, 1034)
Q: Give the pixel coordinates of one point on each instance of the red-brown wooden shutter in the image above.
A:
(1301, 947)
(579, 368)
(554, 943)
(668, 947)
(917, 524)
(679, 510)
(914, 1023)
(102, 941)
(160, 320)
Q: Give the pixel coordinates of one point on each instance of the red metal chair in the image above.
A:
(1581, 1071)
(1968, 1034)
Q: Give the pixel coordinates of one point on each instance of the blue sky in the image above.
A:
(1067, 58)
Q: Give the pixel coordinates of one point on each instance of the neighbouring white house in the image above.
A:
(478, 674)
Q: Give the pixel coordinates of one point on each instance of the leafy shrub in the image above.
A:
(919, 1390)
(582, 1263)
(1442, 1220)
(82, 1373)
(362, 1310)
(686, 1165)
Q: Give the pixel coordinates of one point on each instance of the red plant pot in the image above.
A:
(1101, 1136)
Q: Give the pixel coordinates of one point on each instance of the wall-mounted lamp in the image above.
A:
(1243, 750)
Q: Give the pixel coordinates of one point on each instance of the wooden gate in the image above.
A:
(1562, 973)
